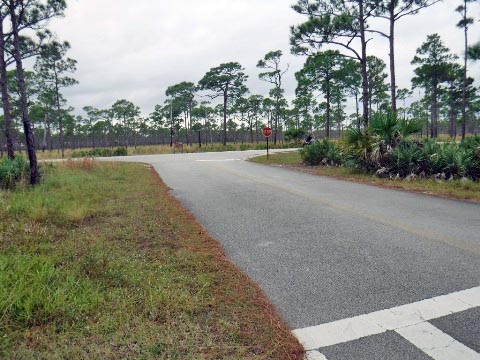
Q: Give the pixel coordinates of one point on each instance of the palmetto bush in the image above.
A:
(13, 171)
(324, 152)
(359, 145)
(456, 161)
(408, 158)
(384, 148)
(451, 160)
(373, 146)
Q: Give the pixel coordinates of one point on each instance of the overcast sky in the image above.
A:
(136, 49)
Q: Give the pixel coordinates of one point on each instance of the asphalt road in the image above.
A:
(326, 250)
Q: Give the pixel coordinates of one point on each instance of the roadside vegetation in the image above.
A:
(386, 150)
(456, 189)
(386, 154)
(13, 171)
(161, 149)
(99, 261)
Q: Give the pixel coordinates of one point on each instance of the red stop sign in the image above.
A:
(267, 132)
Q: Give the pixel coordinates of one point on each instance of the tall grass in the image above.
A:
(39, 204)
(13, 171)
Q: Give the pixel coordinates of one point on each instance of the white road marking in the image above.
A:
(378, 322)
(222, 160)
(314, 355)
(436, 343)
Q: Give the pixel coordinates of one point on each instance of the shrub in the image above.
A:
(406, 159)
(13, 171)
(359, 146)
(456, 161)
(120, 151)
(324, 152)
(101, 152)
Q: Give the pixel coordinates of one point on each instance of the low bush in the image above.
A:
(385, 149)
(322, 153)
(431, 160)
(13, 171)
(406, 159)
(100, 152)
(120, 151)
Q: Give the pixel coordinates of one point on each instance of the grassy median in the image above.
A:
(455, 189)
(101, 262)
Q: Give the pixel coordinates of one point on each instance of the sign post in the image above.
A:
(267, 132)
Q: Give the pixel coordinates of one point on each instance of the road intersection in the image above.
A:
(358, 271)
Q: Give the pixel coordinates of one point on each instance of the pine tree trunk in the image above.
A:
(186, 128)
(363, 63)
(434, 116)
(453, 119)
(277, 111)
(49, 136)
(391, 40)
(59, 117)
(5, 98)
(45, 130)
(464, 86)
(357, 110)
(225, 99)
(327, 98)
(27, 128)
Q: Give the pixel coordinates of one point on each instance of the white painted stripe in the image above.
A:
(353, 328)
(435, 343)
(222, 160)
(314, 355)
(337, 332)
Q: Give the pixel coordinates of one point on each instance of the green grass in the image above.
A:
(100, 262)
(457, 189)
(34, 292)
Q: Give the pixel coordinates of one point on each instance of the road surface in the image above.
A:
(358, 272)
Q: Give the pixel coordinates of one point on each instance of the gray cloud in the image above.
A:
(136, 49)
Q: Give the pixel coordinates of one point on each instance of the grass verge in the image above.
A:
(101, 262)
(455, 189)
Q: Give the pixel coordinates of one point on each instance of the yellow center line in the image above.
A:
(422, 233)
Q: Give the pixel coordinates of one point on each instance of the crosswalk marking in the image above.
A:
(378, 322)
(436, 343)
(314, 355)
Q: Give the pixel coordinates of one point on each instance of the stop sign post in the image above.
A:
(267, 132)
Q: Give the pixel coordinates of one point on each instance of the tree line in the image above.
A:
(18, 20)
(335, 38)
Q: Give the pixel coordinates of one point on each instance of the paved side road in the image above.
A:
(357, 271)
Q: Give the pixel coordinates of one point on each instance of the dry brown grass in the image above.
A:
(81, 164)
(163, 288)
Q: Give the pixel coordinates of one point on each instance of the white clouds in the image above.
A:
(135, 49)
